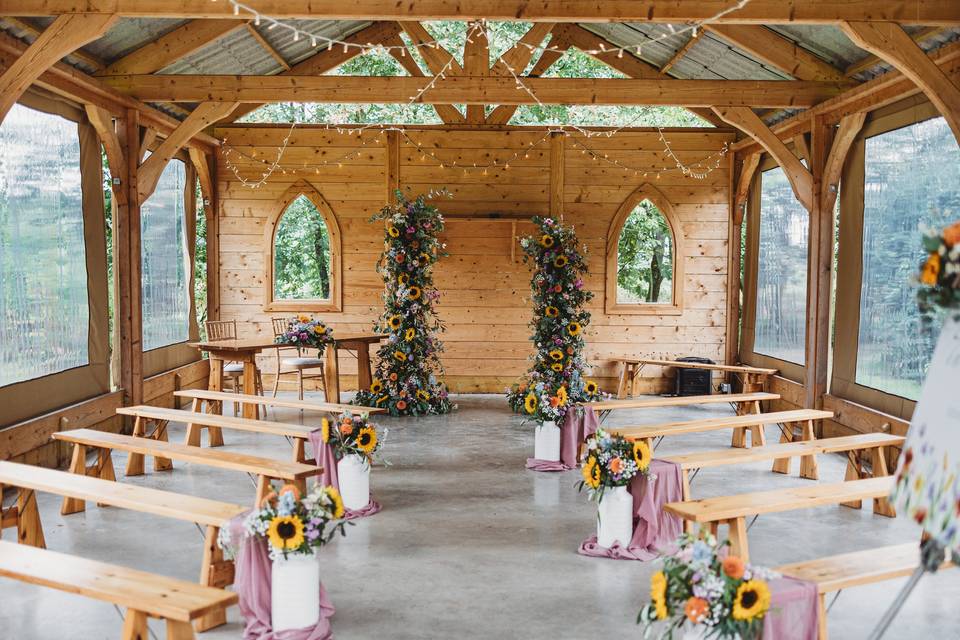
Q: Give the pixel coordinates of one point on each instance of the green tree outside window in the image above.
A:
(645, 257)
(301, 254)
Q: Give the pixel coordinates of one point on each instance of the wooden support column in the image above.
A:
(206, 167)
(393, 166)
(557, 167)
(127, 261)
(891, 43)
(476, 62)
(734, 222)
(66, 34)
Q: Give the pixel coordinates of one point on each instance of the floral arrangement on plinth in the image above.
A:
(406, 380)
(940, 273)
(556, 378)
(293, 524)
(306, 332)
(354, 434)
(703, 586)
(612, 461)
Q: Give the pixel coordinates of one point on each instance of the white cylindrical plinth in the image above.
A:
(615, 517)
(353, 474)
(546, 444)
(295, 592)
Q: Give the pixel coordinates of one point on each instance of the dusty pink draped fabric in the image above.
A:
(579, 424)
(793, 613)
(252, 583)
(326, 459)
(654, 532)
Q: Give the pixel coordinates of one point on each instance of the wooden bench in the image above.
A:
(733, 510)
(266, 469)
(835, 573)
(212, 402)
(159, 417)
(215, 571)
(144, 595)
(754, 422)
(874, 442)
(753, 377)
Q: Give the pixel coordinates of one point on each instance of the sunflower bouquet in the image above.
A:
(306, 332)
(939, 275)
(295, 524)
(703, 586)
(558, 325)
(408, 366)
(354, 435)
(612, 461)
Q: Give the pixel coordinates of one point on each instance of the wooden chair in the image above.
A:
(218, 330)
(296, 365)
(145, 595)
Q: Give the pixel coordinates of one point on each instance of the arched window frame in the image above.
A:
(335, 301)
(649, 192)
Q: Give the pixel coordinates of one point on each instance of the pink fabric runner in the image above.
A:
(252, 583)
(793, 611)
(325, 458)
(654, 532)
(579, 424)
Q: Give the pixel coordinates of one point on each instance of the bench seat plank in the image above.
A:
(679, 401)
(287, 403)
(740, 368)
(834, 573)
(227, 422)
(155, 595)
(715, 424)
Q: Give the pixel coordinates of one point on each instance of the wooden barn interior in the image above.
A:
(133, 178)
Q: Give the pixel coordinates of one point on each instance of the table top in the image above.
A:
(697, 365)
(265, 342)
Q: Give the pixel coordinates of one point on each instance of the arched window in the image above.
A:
(303, 253)
(644, 274)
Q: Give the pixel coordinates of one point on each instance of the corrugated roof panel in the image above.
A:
(237, 53)
(825, 41)
(294, 51)
(129, 34)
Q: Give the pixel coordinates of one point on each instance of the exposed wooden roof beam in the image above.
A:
(476, 62)
(266, 46)
(846, 133)
(438, 59)
(777, 51)
(503, 113)
(519, 55)
(90, 60)
(891, 42)
(925, 12)
(471, 90)
(872, 60)
(170, 47)
(65, 35)
(447, 112)
(750, 164)
(678, 55)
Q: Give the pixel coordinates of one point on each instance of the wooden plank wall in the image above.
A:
(484, 283)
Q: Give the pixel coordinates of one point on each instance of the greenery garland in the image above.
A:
(409, 361)
(555, 380)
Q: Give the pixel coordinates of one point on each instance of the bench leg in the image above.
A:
(78, 465)
(782, 465)
(300, 450)
(215, 572)
(160, 434)
(822, 616)
(622, 383)
(177, 630)
(135, 460)
(29, 527)
(881, 506)
(738, 538)
(135, 626)
(854, 472)
(739, 438)
(263, 488)
(193, 430)
(808, 464)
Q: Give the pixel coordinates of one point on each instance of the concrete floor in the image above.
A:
(470, 544)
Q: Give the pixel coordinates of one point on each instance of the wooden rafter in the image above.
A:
(777, 51)
(519, 55)
(749, 168)
(203, 116)
(799, 176)
(447, 112)
(846, 133)
(438, 59)
(204, 174)
(679, 54)
(503, 113)
(90, 60)
(925, 12)
(476, 62)
(470, 90)
(102, 122)
(872, 60)
(266, 46)
(890, 42)
(65, 35)
(801, 147)
(170, 47)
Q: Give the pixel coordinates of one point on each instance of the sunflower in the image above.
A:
(367, 439)
(557, 366)
(591, 388)
(376, 387)
(591, 472)
(414, 293)
(403, 279)
(285, 533)
(400, 356)
(574, 328)
(641, 454)
(394, 322)
(560, 261)
(303, 318)
(552, 312)
(658, 593)
(325, 430)
(423, 395)
(562, 395)
(752, 600)
(334, 495)
(546, 241)
(556, 354)
(393, 231)
(411, 332)
(530, 403)
(319, 329)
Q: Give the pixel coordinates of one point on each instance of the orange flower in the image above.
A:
(401, 405)
(616, 465)
(403, 393)
(931, 270)
(346, 428)
(696, 609)
(951, 235)
(733, 567)
(267, 499)
(289, 488)
(554, 401)
(393, 377)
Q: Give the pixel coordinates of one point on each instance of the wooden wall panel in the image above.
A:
(484, 283)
